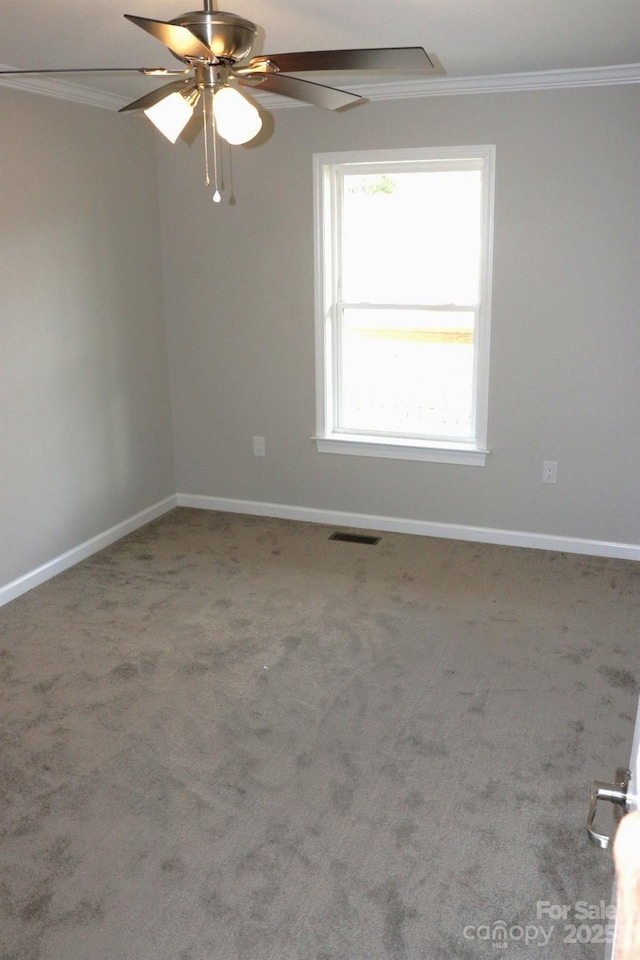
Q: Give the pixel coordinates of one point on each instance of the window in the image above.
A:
(403, 281)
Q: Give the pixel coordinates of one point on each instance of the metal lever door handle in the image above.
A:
(614, 793)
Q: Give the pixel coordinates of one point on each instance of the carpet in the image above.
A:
(230, 738)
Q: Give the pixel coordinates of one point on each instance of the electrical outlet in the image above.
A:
(550, 471)
(259, 449)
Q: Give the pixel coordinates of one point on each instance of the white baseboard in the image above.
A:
(423, 528)
(50, 569)
(337, 518)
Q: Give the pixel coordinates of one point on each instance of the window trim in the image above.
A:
(327, 253)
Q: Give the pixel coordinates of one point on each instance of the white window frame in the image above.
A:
(327, 170)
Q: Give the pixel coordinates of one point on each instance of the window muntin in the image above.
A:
(403, 280)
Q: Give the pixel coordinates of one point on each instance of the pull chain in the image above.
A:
(216, 196)
(207, 104)
(207, 178)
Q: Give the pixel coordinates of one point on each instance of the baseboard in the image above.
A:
(337, 518)
(53, 567)
(423, 528)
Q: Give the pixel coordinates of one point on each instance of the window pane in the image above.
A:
(407, 372)
(412, 237)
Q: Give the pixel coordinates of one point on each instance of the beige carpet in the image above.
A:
(230, 737)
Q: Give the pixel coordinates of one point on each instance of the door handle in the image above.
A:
(614, 793)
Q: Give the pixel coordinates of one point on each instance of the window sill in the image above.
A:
(427, 450)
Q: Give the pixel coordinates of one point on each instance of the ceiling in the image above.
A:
(465, 38)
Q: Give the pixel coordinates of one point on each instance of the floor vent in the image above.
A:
(355, 538)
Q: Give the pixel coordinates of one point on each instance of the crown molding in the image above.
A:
(389, 90)
(49, 86)
(503, 83)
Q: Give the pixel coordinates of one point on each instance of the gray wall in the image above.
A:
(85, 424)
(85, 438)
(565, 334)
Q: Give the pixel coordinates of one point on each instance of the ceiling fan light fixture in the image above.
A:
(215, 49)
(237, 120)
(172, 114)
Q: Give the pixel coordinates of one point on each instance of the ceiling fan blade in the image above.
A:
(179, 39)
(15, 73)
(143, 103)
(375, 58)
(316, 93)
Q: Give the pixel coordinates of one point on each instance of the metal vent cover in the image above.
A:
(355, 538)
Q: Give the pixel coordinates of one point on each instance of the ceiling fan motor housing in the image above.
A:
(227, 36)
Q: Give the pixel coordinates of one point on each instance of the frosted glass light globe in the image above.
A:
(171, 115)
(237, 120)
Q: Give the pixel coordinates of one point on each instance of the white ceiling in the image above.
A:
(466, 38)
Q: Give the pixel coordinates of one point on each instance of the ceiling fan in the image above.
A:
(215, 48)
